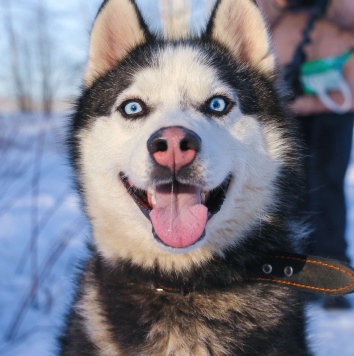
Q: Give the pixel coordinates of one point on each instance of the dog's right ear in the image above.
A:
(239, 26)
(119, 27)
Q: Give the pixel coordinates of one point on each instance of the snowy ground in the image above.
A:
(42, 233)
(42, 237)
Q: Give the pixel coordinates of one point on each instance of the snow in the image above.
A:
(36, 204)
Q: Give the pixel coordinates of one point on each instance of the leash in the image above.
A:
(308, 273)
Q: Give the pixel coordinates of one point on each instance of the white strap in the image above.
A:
(331, 104)
(324, 83)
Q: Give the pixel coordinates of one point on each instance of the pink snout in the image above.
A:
(174, 147)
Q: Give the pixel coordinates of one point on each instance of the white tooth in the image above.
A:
(153, 200)
(202, 197)
(152, 196)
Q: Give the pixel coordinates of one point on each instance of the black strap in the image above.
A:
(309, 273)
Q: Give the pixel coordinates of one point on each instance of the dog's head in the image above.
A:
(178, 143)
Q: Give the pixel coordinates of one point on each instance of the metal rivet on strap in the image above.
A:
(267, 268)
(288, 271)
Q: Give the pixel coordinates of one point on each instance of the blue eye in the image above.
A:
(218, 104)
(132, 108)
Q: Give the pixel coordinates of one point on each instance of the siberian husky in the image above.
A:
(185, 160)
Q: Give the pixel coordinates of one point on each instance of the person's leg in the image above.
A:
(307, 136)
(331, 147)
(306, 205)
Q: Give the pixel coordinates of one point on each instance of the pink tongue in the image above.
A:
(178, 218)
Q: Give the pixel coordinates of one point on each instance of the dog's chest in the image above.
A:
(196, 329)
(133, 319)
(164, 324)
(211, 323)
(200, 342)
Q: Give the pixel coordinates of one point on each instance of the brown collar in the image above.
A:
(308, 273)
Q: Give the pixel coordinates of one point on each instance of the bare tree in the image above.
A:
(45, 58)
(36, 62)
(19, 74)
(175, 15)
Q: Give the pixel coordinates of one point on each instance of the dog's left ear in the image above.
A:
(239, 26)
(119, 27)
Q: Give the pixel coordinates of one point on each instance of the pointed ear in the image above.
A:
(239, 26)
(118, 28)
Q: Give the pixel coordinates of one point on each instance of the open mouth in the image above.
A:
(178, 212)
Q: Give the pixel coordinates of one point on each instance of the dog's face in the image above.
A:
(176, 156)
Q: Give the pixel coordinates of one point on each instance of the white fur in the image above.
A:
(96, 326)
(237, 143)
